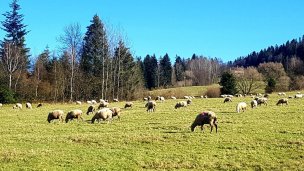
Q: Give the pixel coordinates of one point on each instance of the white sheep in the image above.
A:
(78, 102)
(242, 106)
(73, 114)
(103, 114)
(93, 102)
(28, 105)
(172, 97)
(17, 106)
(128, 104)
(0, 104)
(56, 114)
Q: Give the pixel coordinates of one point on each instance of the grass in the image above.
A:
(266, 138)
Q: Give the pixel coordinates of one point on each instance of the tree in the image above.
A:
(249, 81)
(180, 68)
(228, 83)
(271, 84)
(165, 71)
(13, 51)
(72, 42)
(150, 71)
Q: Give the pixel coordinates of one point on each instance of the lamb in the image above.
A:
(103, 114)
(103, 104)
(282, 101)
(241, 106)
(78, 102)
(56, 114)
(254, 103)
(116, 112)
(39, 105)
(206, 117)
(150, 106)
(73, 114)
(128, 104)
(17, 106)
(91, 109)
(28, 105)
(228, 99)
(262, 100)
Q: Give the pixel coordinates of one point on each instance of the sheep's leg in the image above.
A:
(202, 127)
(211, 127)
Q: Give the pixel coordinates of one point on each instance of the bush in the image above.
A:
(6, 96)
(213, 92)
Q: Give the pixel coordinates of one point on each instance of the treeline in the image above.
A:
(95, 65)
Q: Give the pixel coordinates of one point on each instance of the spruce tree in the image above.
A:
(150, 71)
(165, 71)
(228, 83)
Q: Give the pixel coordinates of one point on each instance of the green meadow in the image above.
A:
(265, 138)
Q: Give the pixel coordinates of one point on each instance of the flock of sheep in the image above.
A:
(105, 113)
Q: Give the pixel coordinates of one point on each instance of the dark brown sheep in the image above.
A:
(128, 104)
(91, 109)
(282, 101)
(206, 117)
(103, 114)
(227, 99)
(73, 114)
(150, 106)
(56, 114)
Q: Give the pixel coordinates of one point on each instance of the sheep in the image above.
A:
(116, 112)
(0, 104)
(262, 100)
(78, 102)
(189, 101)
(267, 95)
(206, 117)
(115, 100)
(297, 96)
(73, 114)
(283, 100)
(172, 97)
(28, 105)
(56, 114)
(128, 104)
(145, 99)
(103, 104)
(282, 94)
(91, 109)
(17, 106)
(228, 99)
(254, 103)
(103, 114)
(160, 98)
(186, 97)
(150, 106)
(149, 98)
(89, 102)
(290, 97)
(181, 104)
(39, 105)
(94, 102)
(241, 106)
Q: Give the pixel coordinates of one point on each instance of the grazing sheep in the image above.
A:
(189, 101)
(282, 101)
(28, 105)
(17, 106)
(103, 104)
(254, 104)
(56, 114)
(91, 109)
(297, 96)
(172, 97)
(94, 102)
(206, 117)
(39, 105)
(228, 99)
(181, 104)
(186, 97)
(149, 98)
(0, 104)
(290, 97)
(150, 106)
(78, 102)
(115, 100)
(103, 114)
(89, 102)
(145, 99)
(241, 106)
(128, 104)
(73, 114)
(160, 98)
(262, 100)
(239, 95)
(116, 112)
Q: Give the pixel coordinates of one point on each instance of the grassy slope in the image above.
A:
(270, 138)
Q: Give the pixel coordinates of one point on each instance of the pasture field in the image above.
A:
(266, 138)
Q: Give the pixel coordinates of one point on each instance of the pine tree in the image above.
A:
(180, 68)
(228, 83)
(165, 71)
(150, 71)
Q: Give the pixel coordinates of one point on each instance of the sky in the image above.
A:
(226, 29)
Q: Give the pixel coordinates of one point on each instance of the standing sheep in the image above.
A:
(254, 104)
(28, 105)
(282, 101)
(17, 106)
(206, 117)
(128, 104)
(150, 106)
(227, 99)
(241, 106)
(91, 109)
(73, 114)
(56, 114)
(103, 114)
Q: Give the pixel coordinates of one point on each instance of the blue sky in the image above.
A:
(216, 28)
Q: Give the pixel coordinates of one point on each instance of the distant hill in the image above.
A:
(285, 54)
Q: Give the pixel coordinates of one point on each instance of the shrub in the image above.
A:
(6, 95)
(213, 92)
(271, 84)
